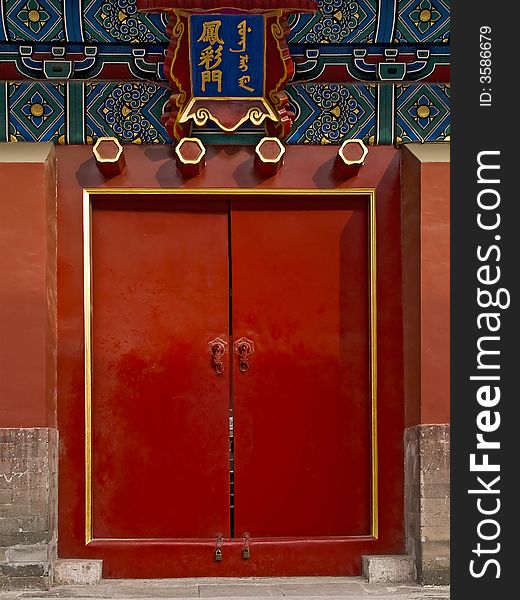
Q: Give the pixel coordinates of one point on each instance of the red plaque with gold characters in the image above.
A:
(228, 64)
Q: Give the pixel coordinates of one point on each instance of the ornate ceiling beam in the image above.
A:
(228, 64)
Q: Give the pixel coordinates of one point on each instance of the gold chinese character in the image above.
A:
(243, 66)
(243, 81)
(210, 58)
(243, 30)
(211, 33)
(214, 76)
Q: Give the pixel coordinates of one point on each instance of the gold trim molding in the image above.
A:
(88, 194)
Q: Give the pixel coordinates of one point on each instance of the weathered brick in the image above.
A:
(30, 554)
(6, 496)
(9, 525)
(15, 524)
(25, 537)
(31, 491)
(412, 497)
(25, 450)
(435, 533)
(438, 550)
(411, 452)
(35, 524)
(16, 467)
(28, 524)
(24, 570)
(21, 435)
(27, 506)
(436, 490)
(435, 568)
(435, 474)
(435, 464)
(28, 467)
(37, 507)
(9, 511)
(427, 500)
(435, 512)
(24, 583)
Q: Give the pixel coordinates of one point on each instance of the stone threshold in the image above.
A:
(293, 588)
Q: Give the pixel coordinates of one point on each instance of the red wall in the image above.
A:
(28, 268)
(426, 283)
(27, 285)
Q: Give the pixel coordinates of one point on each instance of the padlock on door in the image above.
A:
(218, 548)
(246, 551)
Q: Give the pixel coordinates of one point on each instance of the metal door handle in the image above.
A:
(244, 348)
(217, 348)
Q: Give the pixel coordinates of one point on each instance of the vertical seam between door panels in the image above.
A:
(231, 415)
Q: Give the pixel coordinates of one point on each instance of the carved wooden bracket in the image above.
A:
(269, 155)
(190, 155)
(215, 77)
(350, 158)
(109, 155)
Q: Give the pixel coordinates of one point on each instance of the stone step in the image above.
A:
(77, 572)
(389, 568)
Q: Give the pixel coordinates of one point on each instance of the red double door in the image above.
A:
(231, 385)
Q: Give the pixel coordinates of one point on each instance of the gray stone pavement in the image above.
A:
(293, 588)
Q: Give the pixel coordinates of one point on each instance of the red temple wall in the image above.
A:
(28, 286)
(426, 283)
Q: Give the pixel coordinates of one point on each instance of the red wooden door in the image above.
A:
(303, 408)
(159, 413)
(292, 274)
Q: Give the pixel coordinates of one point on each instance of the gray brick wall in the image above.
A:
(28, 503)
(427, 501)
